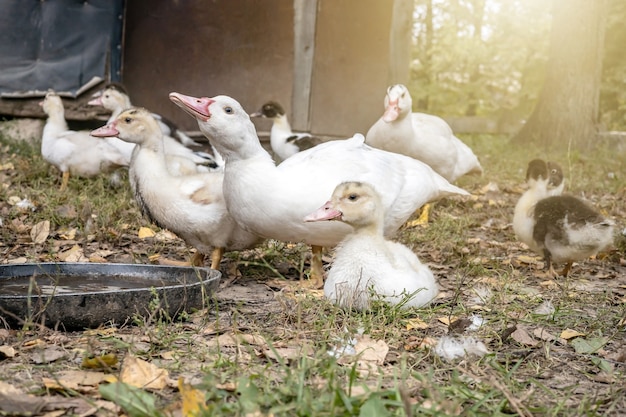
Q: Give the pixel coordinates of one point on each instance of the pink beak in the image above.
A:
(105, 131)
(197, 107)
(326, 212)
(391, 112)
(95, 102)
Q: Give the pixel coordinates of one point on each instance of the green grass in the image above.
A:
(470, 246)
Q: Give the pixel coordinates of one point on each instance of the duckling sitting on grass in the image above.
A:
(366, 264)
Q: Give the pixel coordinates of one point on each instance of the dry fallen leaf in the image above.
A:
(74, 254)
(416, 323)
(145, 232)
(369, 350)
(522, 337)
(49, 354)
(231, 339)
(6, 352)
(142, 374)
(40, 232)
(81, 381)
(67, 234)
(570, 334)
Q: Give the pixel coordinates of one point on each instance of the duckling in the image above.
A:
(191, 206)
(366, 263)
(568, 229)
(115, 98)
(74, 152)
(283, 140)
(544, 179)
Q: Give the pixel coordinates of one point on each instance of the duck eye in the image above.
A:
(128, 119)
(353, 197)
(228, 110)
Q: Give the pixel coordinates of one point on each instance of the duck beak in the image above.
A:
(326, 212)
(391, 112)
(105, 131)
(96, 101)
(256, 114)
(197, 108)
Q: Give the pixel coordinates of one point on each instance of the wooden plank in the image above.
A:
(305, 18)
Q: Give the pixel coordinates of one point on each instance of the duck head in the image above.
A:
(223, 120)
(354, 203)
(398, 103)
(546, 174)
(133, 125)
(270, 110)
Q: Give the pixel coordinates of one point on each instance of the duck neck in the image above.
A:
(56, 118)
(241, 145)
(281, 124)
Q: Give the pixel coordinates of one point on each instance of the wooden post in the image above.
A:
(305, 17)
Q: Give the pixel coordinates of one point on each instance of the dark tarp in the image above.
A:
(64, 45)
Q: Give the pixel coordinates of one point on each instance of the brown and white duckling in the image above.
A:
(74, 152)
(568, 229)
(283, 140)
(544, 179)
(366, 263)
(191, 206)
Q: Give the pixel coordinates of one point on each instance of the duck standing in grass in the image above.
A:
(283, 140)
(562, 228)
(421, 136)
(365, 263)
(74, 152)
(191, 206)
(271, 200)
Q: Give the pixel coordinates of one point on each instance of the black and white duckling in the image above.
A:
(562, 228)
(74, 152)
(191, 206)
(544, 179)
(283, 140)
(115, 98)
(568, 229)
(365, 263)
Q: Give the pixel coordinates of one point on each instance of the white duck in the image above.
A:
(544, 179)
(421, 136)
(115, 98)
(271, 200)
(74, 152)
(191, 206)
(568, 229)
(365, 263)
(283, 140)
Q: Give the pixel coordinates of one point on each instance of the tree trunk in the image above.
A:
(566, 114)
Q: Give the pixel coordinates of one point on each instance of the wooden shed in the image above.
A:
(328, 62)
